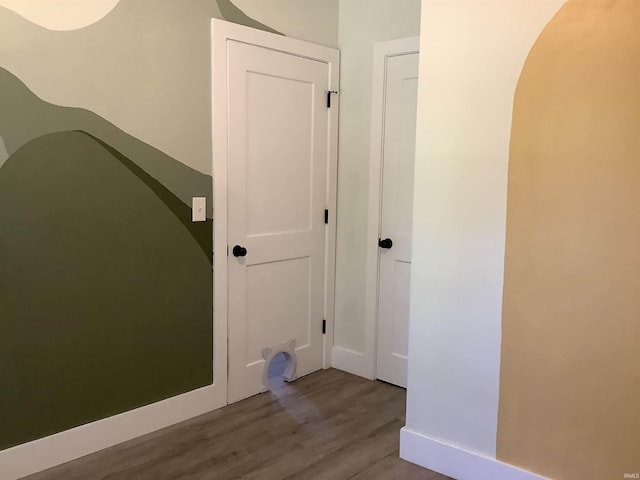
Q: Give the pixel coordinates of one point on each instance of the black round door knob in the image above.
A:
(386, 243)
(239, 251)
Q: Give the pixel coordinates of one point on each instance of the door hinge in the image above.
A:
(329, 92)
(324, 327)
(326, 215)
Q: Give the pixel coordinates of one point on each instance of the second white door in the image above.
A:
(277, 178)
(394, 271)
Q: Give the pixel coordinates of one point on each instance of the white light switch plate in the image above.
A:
(199, 209)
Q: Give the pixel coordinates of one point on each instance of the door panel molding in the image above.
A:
(222, 34)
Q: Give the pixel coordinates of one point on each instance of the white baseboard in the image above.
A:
(44, 453)
(352, 362)
(456, 462)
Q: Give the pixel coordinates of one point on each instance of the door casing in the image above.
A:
(222, 33)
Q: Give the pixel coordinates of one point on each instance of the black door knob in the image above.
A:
(386, 243)
(239, 251)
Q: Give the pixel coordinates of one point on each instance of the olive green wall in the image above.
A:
(106, 286)
(105, 297)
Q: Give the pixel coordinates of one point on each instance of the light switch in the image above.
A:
(199, 209)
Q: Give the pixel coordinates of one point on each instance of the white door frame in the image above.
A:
(222, 33)
(382, 52)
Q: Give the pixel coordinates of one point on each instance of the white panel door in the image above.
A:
(277, 179)
(401, 89)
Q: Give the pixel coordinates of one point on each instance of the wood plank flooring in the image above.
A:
(329, 425)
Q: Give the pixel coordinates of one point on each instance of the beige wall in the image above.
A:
(570, 381)
(471, 56)
(61, 14)
(361, 24)
(568, 371)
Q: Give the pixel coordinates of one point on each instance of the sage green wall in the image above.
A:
(24, 116)
(106, 287)
(312, 20)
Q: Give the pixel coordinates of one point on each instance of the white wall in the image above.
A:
(361, 25)
(471, 57)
